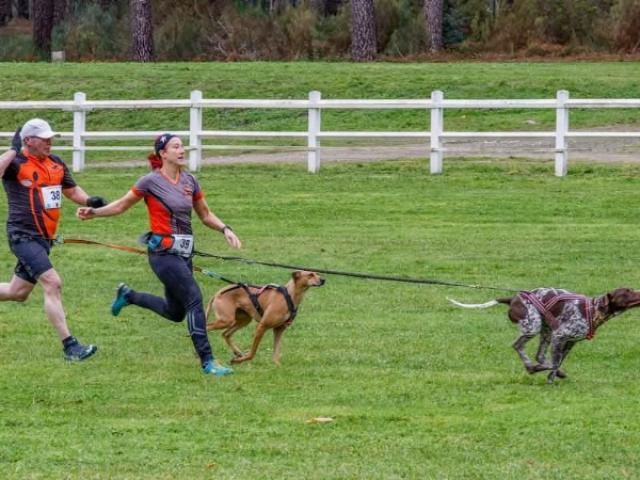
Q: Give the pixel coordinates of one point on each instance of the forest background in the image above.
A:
(360, 30)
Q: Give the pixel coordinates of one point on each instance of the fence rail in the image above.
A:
(80, 107)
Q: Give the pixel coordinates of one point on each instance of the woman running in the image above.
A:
(170, 194)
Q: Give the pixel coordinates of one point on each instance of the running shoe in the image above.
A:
(211, 368)
(121, 300)
(76, 352)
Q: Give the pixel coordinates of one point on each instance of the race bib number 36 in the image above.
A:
(52, 196)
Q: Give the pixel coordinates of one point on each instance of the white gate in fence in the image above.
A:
(437, 104)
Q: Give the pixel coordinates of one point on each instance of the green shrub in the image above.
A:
(16, 47)
(179, 37)
(93, 33)
(332, 35)
(531, 23)
(626, 25)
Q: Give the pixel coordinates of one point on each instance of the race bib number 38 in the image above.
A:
(52, 196)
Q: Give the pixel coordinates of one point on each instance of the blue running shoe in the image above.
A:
(76, 352)
(121, 300)
(210, 368)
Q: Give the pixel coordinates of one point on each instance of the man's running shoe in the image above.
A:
(76, 352)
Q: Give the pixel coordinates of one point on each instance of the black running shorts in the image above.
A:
(32, 254)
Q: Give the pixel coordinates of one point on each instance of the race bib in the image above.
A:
(182, 245)
(52, 196)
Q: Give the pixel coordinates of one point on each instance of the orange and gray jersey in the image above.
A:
(169, 202)
(34, 192)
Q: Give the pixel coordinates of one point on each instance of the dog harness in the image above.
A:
(545, 308)
(293, 311)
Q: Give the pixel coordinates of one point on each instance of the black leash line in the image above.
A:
(370, 276)
(249, 261)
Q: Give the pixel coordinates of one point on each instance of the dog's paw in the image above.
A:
(238, 354)
(540, 367)
(561, 374)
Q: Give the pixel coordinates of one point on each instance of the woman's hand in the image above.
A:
(231, 238)
(85, 213)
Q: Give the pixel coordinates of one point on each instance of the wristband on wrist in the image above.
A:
(225, 228)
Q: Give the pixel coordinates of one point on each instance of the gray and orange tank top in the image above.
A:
(169, 201)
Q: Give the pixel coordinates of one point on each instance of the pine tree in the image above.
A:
(433, 16)
(42, 25)
(141, 30)
(363, 31)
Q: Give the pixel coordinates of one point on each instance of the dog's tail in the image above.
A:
(474, 305)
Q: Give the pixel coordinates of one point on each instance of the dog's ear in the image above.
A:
(606, 302)
(296, 275)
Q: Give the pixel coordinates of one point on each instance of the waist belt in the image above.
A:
(176, 244)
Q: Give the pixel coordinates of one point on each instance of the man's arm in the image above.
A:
(76, 194)
(79, 196)
(7, 157)
(5, 160)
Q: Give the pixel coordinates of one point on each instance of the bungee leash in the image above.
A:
(138, 251)
(249, 261)
(389, 278)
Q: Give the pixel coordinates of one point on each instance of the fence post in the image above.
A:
(562, 127)
(437, 125)
(313, 145)
(195, 127)
(79, 125)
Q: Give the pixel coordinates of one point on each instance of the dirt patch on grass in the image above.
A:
(593, 149)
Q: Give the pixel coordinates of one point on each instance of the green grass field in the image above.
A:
(417, 388)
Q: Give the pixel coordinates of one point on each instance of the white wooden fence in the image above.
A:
(81, 107)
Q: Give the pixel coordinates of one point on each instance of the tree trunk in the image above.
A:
(433, 15)
(42, 25)
(22, 8)
(141, 30)
(5, 12)
(363, 31)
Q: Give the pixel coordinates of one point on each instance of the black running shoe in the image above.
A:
(77, 352)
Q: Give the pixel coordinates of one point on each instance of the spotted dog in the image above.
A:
(561, 318)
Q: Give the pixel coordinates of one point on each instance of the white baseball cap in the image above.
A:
(36, 127)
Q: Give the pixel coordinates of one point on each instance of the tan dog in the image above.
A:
(272, 306)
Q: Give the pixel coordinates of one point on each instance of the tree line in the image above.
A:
(360, 30)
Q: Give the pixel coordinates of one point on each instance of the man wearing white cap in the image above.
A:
(35, 182)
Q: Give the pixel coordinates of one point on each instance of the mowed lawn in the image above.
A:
(416, 387)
